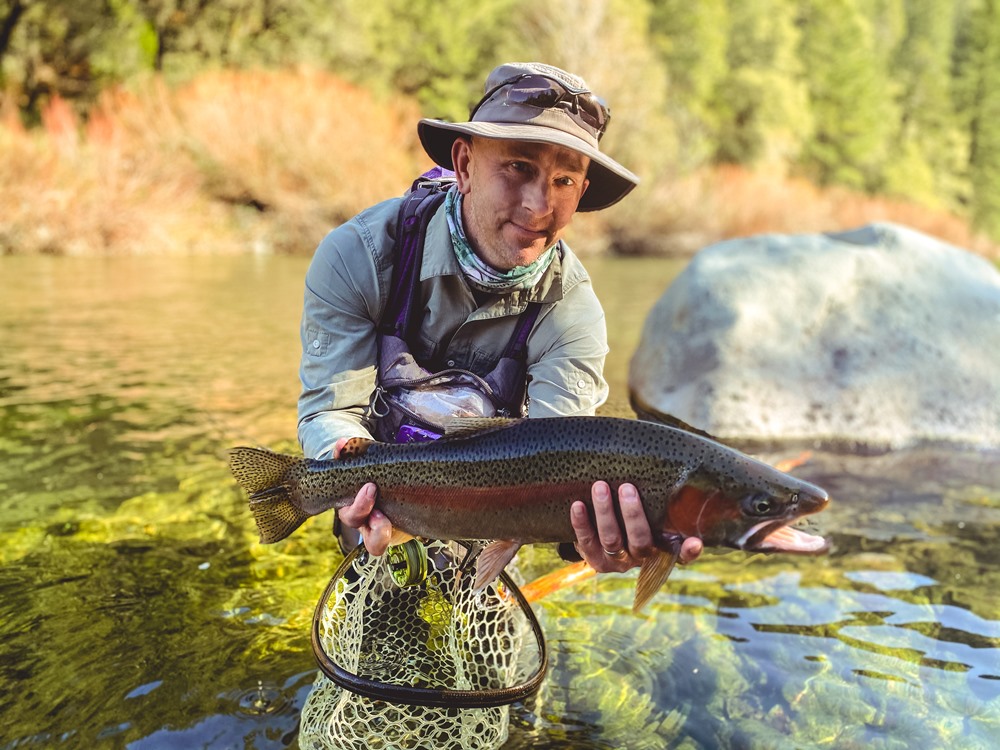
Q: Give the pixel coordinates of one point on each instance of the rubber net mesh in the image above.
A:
(437, 634)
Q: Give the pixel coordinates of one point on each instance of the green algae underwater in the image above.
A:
(137, 609)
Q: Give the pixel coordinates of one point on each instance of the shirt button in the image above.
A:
(316, 344)
(451, 363)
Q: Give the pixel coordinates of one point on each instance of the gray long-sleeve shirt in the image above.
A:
(346, 289)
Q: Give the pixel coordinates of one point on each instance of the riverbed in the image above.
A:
(137, 609)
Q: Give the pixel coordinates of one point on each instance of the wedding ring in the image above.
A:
(619, 555)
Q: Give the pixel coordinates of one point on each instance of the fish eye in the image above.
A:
(759, 505)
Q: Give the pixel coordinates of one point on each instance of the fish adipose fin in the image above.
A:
(653, 574)
(493, 560)
(262, 474)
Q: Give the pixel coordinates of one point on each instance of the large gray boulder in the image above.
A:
(879, 337)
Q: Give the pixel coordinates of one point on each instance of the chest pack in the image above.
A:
(411, 403)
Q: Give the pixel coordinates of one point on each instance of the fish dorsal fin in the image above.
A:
(650, 413)
(654, 573)
(466, 426)
(356, 446)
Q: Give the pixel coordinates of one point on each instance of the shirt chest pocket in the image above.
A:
(436, 356)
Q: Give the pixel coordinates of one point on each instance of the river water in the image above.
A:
(137, 609)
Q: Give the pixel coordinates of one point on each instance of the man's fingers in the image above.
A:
(609, 533)
(578, 517)
(690, 549)
(339, 446)
(603, 548)
(356, 514)
(587, 543)
(377, 533)
(640, 537)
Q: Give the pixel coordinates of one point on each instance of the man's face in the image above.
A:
(519, 197)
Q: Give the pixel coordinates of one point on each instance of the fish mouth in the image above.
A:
(777, 536)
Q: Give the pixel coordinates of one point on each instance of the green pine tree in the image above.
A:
(763, 102)
(848, 93)
(980, 76)
(691, 39)
(930, 144)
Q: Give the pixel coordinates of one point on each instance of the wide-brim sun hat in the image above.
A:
(505, 117)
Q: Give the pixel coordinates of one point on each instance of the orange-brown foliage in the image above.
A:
(238, 161)
(233, 161)
(749, 202)
(680, 216)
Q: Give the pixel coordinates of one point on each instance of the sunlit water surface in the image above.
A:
(138, 611)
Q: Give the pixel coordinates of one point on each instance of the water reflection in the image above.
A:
(137, 609)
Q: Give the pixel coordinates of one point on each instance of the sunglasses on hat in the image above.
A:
(542, 92)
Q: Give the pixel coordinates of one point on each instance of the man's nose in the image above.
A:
(536, 196)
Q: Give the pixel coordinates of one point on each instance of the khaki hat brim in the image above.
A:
(609, 180)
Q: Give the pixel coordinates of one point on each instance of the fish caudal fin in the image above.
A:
(653, 574)
(259, 469)
(265, 476)
(275, 513)
(493, 560)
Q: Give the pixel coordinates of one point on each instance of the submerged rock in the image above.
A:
(879, 336)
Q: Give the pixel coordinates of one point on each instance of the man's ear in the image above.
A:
(461, 158)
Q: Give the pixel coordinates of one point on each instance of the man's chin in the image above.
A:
(524, 254)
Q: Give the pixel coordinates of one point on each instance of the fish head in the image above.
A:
(770, 513)
(749, 507)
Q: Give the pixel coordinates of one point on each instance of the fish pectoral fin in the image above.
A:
(653, 574)
(354, 447)
(493, 560)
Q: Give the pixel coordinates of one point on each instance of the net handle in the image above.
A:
(418, 696)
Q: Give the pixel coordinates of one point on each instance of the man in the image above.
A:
(526, 161)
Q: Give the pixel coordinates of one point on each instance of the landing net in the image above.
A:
(430, 664)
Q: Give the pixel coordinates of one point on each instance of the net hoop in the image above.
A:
(422, 696)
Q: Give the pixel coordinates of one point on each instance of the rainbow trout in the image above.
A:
(513, 481)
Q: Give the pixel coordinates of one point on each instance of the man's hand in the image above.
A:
(375, 528)
(604, 549)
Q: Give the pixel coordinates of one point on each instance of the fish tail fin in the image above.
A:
(654, 573)
(266, 476)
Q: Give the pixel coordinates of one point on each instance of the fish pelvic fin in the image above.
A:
(398, 537)
(493, 560)
(265, 476)
(653, 574)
